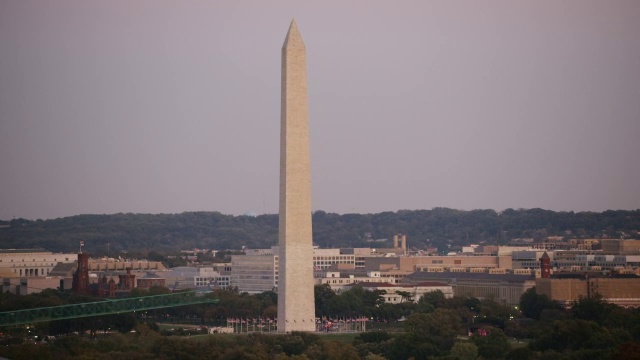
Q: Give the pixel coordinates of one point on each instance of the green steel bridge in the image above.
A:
(103, 307)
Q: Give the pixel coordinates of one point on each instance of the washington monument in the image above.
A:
(296, 308)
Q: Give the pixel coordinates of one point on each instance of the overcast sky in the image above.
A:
(172, 106)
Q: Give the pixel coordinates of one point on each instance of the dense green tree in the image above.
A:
(628, 319)
(339, 350)
(593, 308)
(424, 306)
(354, 302)
(522, 353)
(323, 294)
(162, 235)
(492, 343)
(533, 304)
(464, 350)
(342, 306)
(428, 335)
(572, 335)
(373, 337)
(390, 312)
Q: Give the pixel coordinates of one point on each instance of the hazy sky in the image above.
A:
(171, 106)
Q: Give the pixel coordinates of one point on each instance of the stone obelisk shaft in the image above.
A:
(296, 309)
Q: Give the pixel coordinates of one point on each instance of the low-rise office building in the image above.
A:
(111, 264)
(254, 273)
(620, 247)
(399, 293)
(191, 277)
(150, 280)
(504, 288)
(31, 285)
(32, 262)
(567, 288)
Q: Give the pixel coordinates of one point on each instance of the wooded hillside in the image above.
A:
(439, 227)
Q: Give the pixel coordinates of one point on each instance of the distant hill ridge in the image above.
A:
(438, 227)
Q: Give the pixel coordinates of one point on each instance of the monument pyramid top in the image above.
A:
(293, 39)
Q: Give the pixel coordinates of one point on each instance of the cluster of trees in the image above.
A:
(435, 327)
(591, 329)
(439, 227)
(146, 343)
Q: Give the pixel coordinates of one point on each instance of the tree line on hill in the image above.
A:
(440, 227)
(435, 327)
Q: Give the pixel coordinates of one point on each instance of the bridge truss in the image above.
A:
(103, 307)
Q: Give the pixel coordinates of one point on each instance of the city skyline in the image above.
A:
(151, 107)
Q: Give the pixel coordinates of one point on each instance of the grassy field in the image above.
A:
(391, 327)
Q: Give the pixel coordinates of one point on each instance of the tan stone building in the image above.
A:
(436, 263)
(111, 264)
(338, 281)
(31, 285)
(324, 259)
(32, 262)
(619, 291)
(620, 247)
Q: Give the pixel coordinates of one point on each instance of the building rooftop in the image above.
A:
(151, 276)
(63, 269)
(19, 251)
(447, 276)
(591, 274)
(386, 284)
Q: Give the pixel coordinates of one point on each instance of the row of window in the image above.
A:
(30, 264)
(333, 258)
(32, 272)
(440, 261)
(34, 260)
(349, 281)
